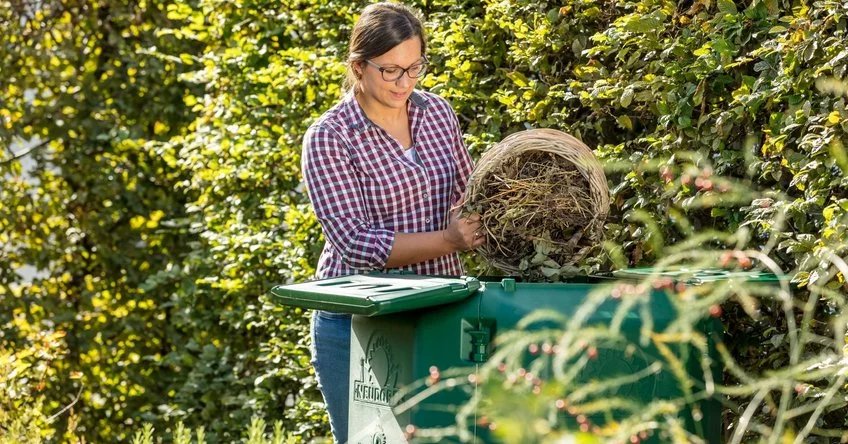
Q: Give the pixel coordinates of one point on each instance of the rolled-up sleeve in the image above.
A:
(336, 196)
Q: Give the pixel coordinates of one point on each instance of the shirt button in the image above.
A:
(427, 220)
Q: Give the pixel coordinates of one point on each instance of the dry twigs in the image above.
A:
(543, 198)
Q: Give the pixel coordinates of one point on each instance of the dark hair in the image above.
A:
(381, 27)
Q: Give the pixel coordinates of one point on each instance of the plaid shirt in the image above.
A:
(364, 190)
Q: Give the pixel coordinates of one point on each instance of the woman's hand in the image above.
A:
(464, 233)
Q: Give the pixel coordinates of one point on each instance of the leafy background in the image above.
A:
(150, 165)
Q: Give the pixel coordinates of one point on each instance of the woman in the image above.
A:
(383, 168)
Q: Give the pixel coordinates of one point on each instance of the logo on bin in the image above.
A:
(378, 373)
(379, 437)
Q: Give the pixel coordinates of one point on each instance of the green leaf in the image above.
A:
(626, 97)
(837, 151)
(643, 23)
(518, 78)
(828, 212)
(727, 7)
(549, 271)
(703, 50)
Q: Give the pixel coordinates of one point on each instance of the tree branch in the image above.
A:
(23, 154)
(50, 419)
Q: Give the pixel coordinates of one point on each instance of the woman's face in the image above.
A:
(392, 94)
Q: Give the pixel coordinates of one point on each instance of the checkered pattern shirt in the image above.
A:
(364, 190)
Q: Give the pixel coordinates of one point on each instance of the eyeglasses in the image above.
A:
(394, 73)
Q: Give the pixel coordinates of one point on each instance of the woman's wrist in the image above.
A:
(450, 243)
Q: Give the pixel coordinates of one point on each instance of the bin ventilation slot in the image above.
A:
(365, 286)
(329, 283)
(389, 290)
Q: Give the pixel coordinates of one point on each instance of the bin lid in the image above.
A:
(696, 276)
(375, 294)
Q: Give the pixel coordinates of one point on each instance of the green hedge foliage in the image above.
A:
(164, 198)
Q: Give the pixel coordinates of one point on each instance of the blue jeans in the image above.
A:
(331, 361)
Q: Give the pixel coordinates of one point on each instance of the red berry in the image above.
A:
(616, 293)
(666, 174)
(560, 404)
(581, 419)
(715, 311)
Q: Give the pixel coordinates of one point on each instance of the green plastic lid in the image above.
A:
(697, 276)
(375, 294)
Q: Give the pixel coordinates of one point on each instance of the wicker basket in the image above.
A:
(593, 205)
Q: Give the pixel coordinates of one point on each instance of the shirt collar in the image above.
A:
(419, 100)
(360, 122)
(357, 120)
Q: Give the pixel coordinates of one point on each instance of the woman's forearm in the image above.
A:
(411, 248)
(461, 234)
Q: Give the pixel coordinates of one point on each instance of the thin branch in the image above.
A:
(747, 415)
(23, 154)
(65, 409)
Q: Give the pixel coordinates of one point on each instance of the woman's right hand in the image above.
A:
(464, 233)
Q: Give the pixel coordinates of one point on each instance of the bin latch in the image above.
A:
(476, 339)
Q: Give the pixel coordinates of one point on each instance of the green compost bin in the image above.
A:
(405, 324)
